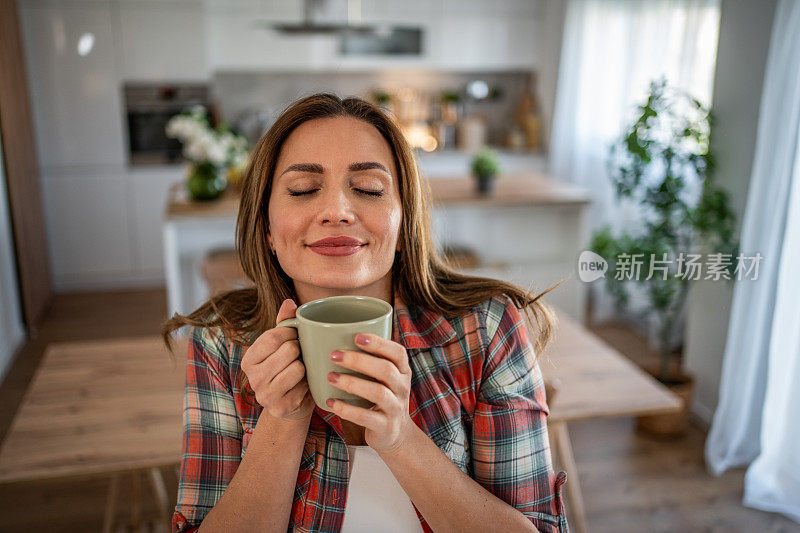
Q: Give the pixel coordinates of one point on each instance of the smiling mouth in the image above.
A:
(338, 250)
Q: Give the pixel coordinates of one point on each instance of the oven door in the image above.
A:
(148, 141)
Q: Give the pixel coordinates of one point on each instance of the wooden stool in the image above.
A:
(221, 271)
(560, 444)
(139, 521)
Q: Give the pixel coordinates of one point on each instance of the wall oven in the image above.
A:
(148, 108)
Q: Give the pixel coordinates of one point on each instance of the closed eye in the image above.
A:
(311, 191)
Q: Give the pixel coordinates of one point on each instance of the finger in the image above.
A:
(378, 368)
(369, 390)
(288, 378)
(374, 420)
(377, 345)
(296, 395)
(287, 310)
(284, 356)
(266, 344)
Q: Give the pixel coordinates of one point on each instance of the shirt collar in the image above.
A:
(419, 328)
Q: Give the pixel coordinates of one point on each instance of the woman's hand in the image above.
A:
(275, 372)
(387, 424)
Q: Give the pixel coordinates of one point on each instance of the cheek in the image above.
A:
(284, 223)
(385, 221)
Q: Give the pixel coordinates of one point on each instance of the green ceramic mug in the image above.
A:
(330, 324)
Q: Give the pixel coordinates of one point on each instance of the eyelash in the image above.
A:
(362, 191)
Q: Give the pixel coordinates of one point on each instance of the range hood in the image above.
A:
(355, 38)
(310, 26)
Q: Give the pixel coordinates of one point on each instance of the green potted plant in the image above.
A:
(211, 152)
(485, 167)
(663, 162)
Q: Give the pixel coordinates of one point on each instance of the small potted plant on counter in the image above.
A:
(212, 152)
(485, 167)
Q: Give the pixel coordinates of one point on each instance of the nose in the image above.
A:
(335, 208)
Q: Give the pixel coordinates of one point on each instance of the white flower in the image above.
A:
(201, 143)
(180, 127)
(198, 111)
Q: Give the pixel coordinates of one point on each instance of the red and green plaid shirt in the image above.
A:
(476, 391)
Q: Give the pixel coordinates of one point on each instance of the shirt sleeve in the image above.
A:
(212, 432)
(510, 446)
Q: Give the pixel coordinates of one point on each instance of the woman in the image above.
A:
(458, 432)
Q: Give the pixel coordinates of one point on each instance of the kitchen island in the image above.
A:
(529, 231)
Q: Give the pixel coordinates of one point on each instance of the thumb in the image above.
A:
(288, 307)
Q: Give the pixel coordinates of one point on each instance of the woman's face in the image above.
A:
(335, 177)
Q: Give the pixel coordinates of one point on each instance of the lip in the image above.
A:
(336, 241)
(336, 246)
(336, 250)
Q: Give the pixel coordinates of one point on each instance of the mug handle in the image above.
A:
(288, 323)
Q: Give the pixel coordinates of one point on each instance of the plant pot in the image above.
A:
(671, 424)
(206, 182)
(484, 185)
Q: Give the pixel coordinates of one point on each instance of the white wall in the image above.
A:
(12, 331)
(744, 35)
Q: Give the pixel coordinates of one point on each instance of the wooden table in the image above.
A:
(101, 408)
(111, 407)
(594, 381)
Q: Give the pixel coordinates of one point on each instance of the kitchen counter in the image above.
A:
(529, 231)
(520, 189)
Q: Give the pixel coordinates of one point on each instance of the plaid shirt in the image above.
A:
(476, 391)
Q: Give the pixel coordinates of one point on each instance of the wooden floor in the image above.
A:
(630, 482)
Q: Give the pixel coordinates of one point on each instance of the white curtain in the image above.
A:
(757, 421)
(611, 51)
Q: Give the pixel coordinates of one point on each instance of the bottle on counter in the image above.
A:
(471, 133)
(444, 127)
(529, 120)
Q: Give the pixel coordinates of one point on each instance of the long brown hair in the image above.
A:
(420, 276)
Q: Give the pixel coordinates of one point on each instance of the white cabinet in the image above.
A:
(491, 35)
(105, 230)
(241, 39)
(103, 219)
(148, 193)
(163, 41)
(71, 66)
(87, 221)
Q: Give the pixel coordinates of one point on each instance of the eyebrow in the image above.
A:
(316, 168)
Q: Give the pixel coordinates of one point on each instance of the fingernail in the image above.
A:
(333, 377)
(336, 355)
(329, 402)
(362, 339)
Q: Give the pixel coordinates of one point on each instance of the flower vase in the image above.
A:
(206, 181)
